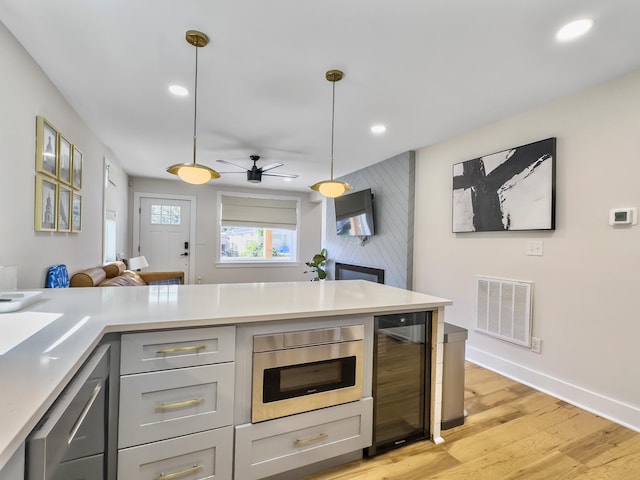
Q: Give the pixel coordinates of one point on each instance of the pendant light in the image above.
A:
(332, 188)
(193, 172)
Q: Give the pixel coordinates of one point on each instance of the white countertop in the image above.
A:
(33, 373)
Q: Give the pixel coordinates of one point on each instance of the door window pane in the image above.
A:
(165, 215)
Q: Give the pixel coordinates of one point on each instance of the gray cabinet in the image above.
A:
(205, 455)
(176, 404)
(159, 405)
(273, 447)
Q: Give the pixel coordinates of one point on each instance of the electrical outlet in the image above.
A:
(536, 344)
(535, 247)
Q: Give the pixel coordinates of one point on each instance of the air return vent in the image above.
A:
(504, 309)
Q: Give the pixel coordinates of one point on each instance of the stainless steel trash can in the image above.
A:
(453, 376)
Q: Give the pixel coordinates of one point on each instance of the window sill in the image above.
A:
(257, 264)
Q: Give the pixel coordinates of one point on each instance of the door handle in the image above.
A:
(185, 254)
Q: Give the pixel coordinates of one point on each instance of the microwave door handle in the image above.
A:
(85, 412)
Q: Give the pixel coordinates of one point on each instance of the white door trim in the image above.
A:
(192, 228)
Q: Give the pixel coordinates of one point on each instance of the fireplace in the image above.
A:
(344, 271)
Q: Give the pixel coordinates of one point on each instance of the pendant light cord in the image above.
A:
(195, 106)
(333, 116)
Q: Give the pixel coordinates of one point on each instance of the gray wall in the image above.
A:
(25, 93)
(391, 248)
(585, 297)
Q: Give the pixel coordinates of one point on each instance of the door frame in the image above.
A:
(192, 227)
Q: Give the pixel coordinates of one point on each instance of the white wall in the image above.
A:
(587, 284)
(207, 225)
(26, 92)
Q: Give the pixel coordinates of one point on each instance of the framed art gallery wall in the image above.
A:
(58, 201)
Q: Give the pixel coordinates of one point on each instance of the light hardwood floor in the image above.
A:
(511, 432)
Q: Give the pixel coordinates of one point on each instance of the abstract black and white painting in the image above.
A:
(509, 190)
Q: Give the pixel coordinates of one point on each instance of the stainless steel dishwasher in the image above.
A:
(70, 441)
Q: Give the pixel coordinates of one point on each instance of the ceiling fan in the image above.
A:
(255, 173)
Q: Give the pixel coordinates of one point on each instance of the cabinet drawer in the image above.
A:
(206, 455)
(276, 446)
(153, 351)
(159, 405)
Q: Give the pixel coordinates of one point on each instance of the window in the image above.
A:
(258, 229)
(165, 215)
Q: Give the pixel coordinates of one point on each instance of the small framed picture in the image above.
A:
(64, 209)
(46, 203)
(76, 212)
(46, 147)
(77, 168)
(64, 158)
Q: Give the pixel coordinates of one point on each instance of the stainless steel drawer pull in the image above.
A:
(307, 441)
(183, 473)
(84, 413)
(186, 403)
(192, 348)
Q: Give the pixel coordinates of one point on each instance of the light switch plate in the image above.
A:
(536, 345)
(535, 248)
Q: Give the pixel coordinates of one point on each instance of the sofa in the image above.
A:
(116, 275)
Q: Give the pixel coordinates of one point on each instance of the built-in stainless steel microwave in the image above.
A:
(295, 372)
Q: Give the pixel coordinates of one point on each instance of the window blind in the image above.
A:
(258, 212)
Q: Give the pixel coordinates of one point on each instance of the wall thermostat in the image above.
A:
(623, 216)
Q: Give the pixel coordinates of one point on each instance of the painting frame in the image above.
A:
(64, 159)
(46, 204)
(76, 167)
(64, 208)
(76, 211)
(46, 147)
(510, 190)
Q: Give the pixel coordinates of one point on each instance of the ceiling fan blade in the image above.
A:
(271, 166)
(285, 175)
(232, 164)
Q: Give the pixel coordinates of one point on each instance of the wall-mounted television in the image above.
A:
(354, 214)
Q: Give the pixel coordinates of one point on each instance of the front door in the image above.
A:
(165, 226)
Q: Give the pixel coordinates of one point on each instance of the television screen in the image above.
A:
(354, 214)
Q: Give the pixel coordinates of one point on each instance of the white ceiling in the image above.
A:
(428, 69)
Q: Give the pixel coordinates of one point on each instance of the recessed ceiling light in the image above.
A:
(178, 90)
(575, 29)
(287, 179)
(378, 129)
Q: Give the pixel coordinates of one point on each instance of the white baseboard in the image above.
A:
(609, 408)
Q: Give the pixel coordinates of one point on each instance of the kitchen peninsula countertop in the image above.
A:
(35, 372)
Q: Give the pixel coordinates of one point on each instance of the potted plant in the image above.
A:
(317, 265)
